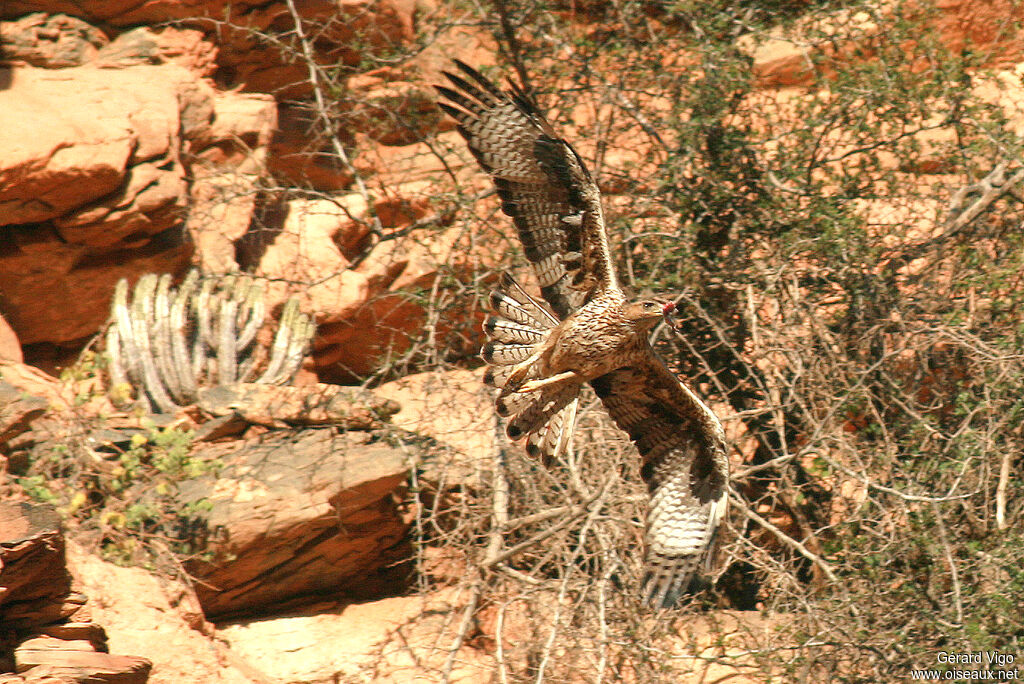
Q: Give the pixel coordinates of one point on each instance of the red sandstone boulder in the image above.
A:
(10, 347)
(300, 513)
(226, 176)
(41, 614)
(50, 41)
(90, 190)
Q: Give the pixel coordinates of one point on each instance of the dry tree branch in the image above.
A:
(499, 648)
(950, 496)
(1004, 478)
(499, 518)
(783, 537)
(954, 574)
(575, 511)
(568, 571)
(602, 609)
(324, 117)
(627, 106)
(475, 593)
(434, 219)
(989, 189)
(572, 514)
(516, 57)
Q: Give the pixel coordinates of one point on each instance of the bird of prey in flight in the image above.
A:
(586, 330)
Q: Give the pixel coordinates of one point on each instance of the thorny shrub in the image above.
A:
(848, 259)
(118, 486)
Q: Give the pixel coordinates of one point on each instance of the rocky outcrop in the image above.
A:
(10, 347)
(310, 503)
(101, 148)
(37, 588)
(347, 31)
(261, 404)
(44, 630)
(360, 284)
(226, 177)
(399, 639)
(143, 143)
(50, 41)
(143, 613)
(95, 193)
(100, 191)
(17, 410)
(295, 515)
(455, 408)
(301, 521)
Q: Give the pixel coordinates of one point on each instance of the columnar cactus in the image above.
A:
(167, 343)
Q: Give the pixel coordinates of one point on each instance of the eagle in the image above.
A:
(586, 331)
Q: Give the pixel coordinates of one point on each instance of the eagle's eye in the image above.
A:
(650, 306)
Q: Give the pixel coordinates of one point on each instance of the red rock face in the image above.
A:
(119, 158)
(98, 188)
(51, 41)
(56, 635)
(92, 189)
(988, 28)
(10, 347)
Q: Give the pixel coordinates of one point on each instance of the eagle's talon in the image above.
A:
(531, 386)
(537, 385)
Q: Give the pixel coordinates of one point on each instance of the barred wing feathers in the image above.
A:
(543, 184)
(684, 464)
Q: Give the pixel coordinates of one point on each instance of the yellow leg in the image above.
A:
(535, 385)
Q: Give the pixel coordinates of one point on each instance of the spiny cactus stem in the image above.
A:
(227, 362)
(161, 339)
(246, 368)
(217, 319)
(129, 365)
(302, 332)
(279, 351)
(142, 324)
(202, 311)
(179, 350)
(250, 316)
(115, 368)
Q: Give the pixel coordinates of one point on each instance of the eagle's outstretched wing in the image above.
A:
(684, 463)
(543, 184)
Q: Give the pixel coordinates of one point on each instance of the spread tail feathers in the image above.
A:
(551, 441)
(666, 578)
(516, 333)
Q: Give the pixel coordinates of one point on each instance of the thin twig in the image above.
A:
(783, 537)
(950, 496)
(568, 571)
(990, 188)
(324, 118)
(954, 574)
(1004, 478)
(499, 518)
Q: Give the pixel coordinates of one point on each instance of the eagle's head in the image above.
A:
(647, 313)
